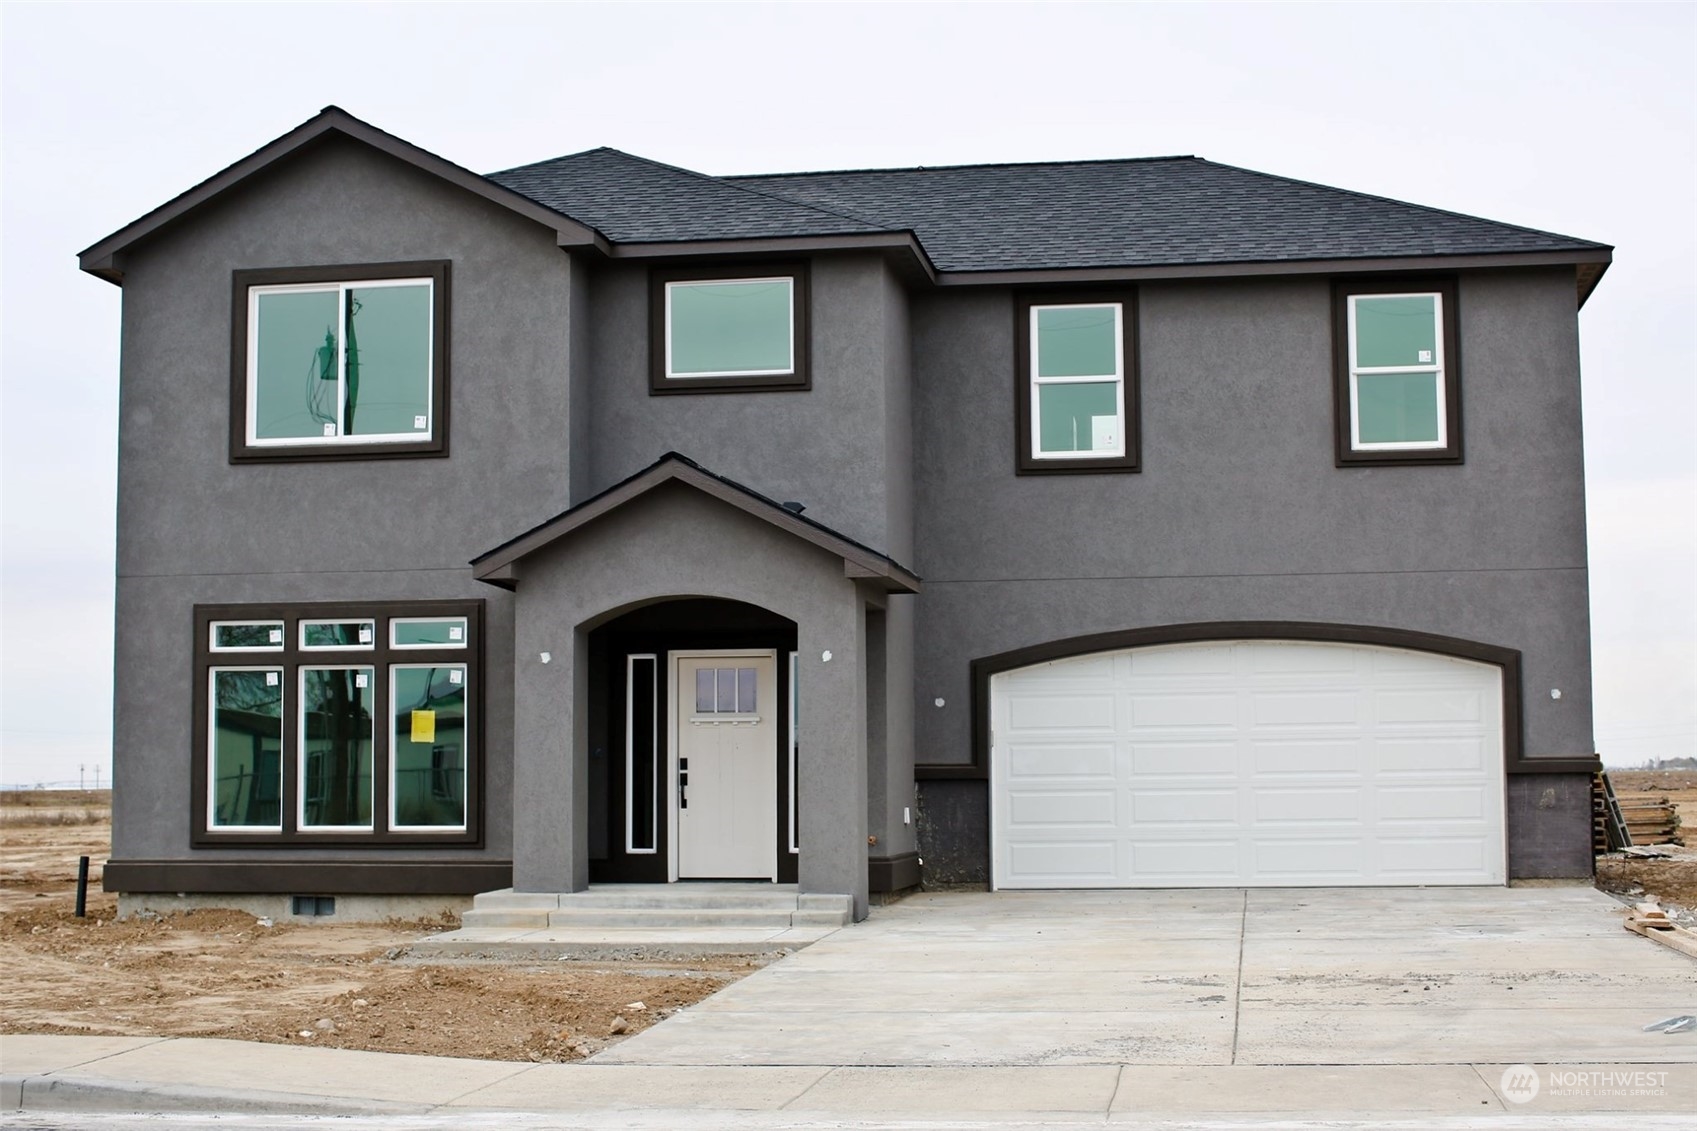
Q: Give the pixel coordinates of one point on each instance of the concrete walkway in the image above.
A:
(1211, 1008)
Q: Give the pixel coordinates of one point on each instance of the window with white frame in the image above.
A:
(349, 723)
(725, 330)
(1077, 385)
(1397, 389)
(340, 361)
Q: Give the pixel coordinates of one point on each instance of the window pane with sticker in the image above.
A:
(336, 731)
(428, 754)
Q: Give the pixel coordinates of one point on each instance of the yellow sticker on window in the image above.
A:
(424, 726)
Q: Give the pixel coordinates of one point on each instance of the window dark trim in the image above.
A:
(659, 384)
(242, 452)
(1345, 453)
(1508, 659)
(379, 657)
(1025, 463)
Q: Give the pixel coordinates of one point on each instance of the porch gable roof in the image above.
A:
(499, 566)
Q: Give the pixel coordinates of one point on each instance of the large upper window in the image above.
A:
(344, 723)
(340, 361)
(1077, 388)
(726, 330)
(1396, 390)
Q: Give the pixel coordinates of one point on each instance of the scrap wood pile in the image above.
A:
(1649, 920)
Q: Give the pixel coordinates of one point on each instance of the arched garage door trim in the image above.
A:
(1507, 659)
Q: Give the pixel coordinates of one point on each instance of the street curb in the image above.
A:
(54, 1092)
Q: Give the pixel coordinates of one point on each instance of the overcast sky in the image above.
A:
(1573, 118)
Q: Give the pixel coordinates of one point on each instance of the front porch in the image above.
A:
(610, 920)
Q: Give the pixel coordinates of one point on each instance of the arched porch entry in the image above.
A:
(692, 724)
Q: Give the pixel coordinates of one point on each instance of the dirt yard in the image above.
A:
(1673, 881)
(223, 974)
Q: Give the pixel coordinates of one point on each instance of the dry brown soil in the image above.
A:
(216, 973)
(1672, 881)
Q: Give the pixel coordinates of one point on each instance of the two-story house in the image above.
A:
(1123, 523)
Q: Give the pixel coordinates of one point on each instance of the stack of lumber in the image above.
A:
(1649, 920)
(1650, 818)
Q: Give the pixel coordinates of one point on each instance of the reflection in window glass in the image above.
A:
(745, 702)
(642, 751)
(1393, 331)
(266, 635)
(387, 383)
(706, 701)
(247, 749)
(336, 736)
(296, 359)
(1077, 341)
(727, 328)
(1397, 408)
(1078, 417)
(446, 632)
(427, 759)
(336, 634)
(726, 691)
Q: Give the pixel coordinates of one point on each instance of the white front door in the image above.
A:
(726, 767)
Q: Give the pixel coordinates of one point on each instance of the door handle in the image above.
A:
(683, 783)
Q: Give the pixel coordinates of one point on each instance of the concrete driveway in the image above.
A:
(1481, 976)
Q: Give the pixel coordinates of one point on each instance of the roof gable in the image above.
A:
(103, 258)
(499, 566)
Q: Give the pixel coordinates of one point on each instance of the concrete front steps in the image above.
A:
(615, 919)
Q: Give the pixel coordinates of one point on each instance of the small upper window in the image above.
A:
(729, 330)
(1397, 393)
(344, 361)
(1077, 389)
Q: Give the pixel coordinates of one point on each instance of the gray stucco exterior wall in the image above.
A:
(1239, 512)
(193, 528)
(677, 542)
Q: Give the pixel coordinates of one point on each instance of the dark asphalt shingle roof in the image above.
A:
(635, 200)
(1172, 210)
(1054, 215)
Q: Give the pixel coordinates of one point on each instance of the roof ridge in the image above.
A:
(1407, 204)
(764, 194)
(966, 165)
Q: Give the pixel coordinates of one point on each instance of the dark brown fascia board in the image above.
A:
(102, 259)
(902, 243)
(348, 876)
(497, 566)
(1073, 276)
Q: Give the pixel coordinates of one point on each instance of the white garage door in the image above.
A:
(1247, 763)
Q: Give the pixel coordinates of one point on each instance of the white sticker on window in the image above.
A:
(270, 679)
(420, 422)
(456, 633)
(359, 679)
(455, 676)
(1425, 357)
(329, 429)
(276, 636)
(1104, 433)
(365, 634)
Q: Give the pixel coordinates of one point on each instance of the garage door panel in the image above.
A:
(1074, 808)
(1430, 706)
(1177, 710)
(1318, 859)
(1312, 756)
(1431, 803)
(1198, 759)
(1306, 709)
(1309, 806)
(1072, 863)
(1432, 754)
(1193, 660)
(1153, 807)
(1041, 761)
(1248, 762)
(1073, 713)
(1433, 859)
(1186, 863)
